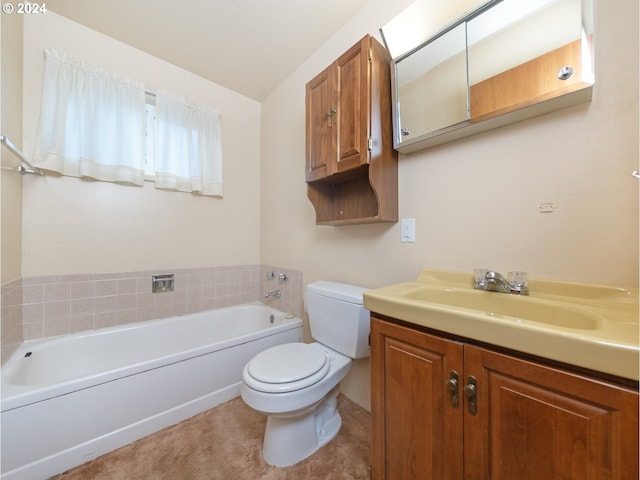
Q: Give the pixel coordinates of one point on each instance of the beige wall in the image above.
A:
(75, 226)
(476, 200)
(11, 127)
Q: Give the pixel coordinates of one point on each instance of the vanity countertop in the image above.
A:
(586, 325)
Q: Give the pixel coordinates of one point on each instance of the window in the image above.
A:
(150, 134)
(188, 152)
(103, 126)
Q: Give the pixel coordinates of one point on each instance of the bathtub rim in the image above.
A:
(14, 395)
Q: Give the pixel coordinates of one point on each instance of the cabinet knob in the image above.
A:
(565, 72)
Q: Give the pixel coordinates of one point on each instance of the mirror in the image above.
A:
(507, 61)
(437, 66)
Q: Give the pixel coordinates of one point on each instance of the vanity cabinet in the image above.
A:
(446, 408)
(351, 166)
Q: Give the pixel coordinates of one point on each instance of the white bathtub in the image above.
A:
(66, 400)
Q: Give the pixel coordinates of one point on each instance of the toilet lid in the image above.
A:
(286, 368)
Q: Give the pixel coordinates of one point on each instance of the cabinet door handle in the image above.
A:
(331, 114)
(452, 386)
(471, 392)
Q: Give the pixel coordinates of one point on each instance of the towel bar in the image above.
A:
(22, 169)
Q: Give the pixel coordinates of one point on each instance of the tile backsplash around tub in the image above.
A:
(40, 307)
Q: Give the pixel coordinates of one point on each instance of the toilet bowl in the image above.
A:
(296, 384)
(301, 408)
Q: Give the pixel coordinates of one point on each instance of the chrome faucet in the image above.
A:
(275, 294)
(494, 282)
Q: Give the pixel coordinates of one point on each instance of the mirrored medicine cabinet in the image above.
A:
(506, 61)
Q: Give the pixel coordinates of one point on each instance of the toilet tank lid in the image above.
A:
(339, 291)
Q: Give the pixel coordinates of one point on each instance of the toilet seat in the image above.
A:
(286, 368)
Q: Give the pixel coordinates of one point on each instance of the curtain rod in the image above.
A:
(21, 169)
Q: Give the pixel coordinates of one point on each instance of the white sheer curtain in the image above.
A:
(188, 146)
(91, 122)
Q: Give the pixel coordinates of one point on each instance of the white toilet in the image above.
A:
(296, 384)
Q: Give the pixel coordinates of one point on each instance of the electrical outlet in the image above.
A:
(408, 230)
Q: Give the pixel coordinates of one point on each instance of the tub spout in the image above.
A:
(276, 294)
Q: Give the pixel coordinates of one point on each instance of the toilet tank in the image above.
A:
(337, 317)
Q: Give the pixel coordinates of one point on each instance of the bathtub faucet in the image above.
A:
(276, 294)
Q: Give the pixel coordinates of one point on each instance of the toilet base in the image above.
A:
(290, 439)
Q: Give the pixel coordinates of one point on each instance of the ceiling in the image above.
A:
(249, 46)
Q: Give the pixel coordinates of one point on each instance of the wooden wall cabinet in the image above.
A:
(351, 167)
(531, 420)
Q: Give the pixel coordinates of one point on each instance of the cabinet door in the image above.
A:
(353, 106)
(536, 422)
(320, 125)
(416, 432)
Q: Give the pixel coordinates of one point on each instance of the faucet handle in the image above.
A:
(518, 279)
(480, 276)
